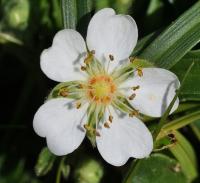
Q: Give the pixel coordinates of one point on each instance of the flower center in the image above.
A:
(101, 89)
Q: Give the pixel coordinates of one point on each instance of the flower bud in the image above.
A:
(88, 171)
(18, 15)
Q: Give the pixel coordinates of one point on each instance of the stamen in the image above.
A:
(106, 125)
(131, 59)
(78, 105)
(139, 71)
(87, 127)
(132, 96)
(135, 87)
(92, 52)
(63, 92)
(134, 113)
(83, 68)
(111, 57)
(97, 133)
(110, 118)
(89, 57)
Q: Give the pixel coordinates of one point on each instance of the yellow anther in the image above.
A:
(89, 57)
(63, 92)
(111, 57)
(110, 118)
(106, 125)
(135, 87)
(132, 96)
(78, 105)
(134, 113)
(139, 71)
(83, 68)
(86, 126)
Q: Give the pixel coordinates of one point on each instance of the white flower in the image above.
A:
(102, 91)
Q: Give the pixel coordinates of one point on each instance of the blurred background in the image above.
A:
(26, 28)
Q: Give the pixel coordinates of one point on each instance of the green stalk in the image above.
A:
(179, 123)
(58, 175)
(165, 115)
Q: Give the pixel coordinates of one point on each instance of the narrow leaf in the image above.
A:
(45, 162)
(166, 113)
(191, 90)
(69, 13)
(184, 153)
(176, 40)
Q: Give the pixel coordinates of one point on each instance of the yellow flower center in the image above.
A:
(101, 89)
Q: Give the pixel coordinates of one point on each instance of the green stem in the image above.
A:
(165, 115)
(58, 175)
(69, 13)
(195, 130)
(186, 106)
(130, 171)
(179, 123)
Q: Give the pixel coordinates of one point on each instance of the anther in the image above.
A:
(92, 52)
(131, 59)
(134, 113)
(83, 68)
(78, 105)
(132, 96)
(135, 87)
(97, 133)
(110, 118)
(63, 92)
(106, 125)
(111, 57)
(87, 127)
(80, 86)
(89, 57)
(139, 71)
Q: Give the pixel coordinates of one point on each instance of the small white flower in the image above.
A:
(105, 87)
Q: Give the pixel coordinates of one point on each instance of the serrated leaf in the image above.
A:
(156, 169)
(173, 43)
(190, 90)
(45, 162)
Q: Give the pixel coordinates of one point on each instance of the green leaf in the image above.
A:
(180, 122)
(172, 44)
(77, 14)
(196, 128)
(156, 169)
(166, 113)
(84, 9)
(45, 162)
(69, 13)
(5, 38)
(191, 90)
(184, 153)
(65, 169)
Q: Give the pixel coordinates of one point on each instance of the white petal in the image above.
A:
(111, 34)
(57, 121)
(61, 62)
(157, 89)
(126, 137)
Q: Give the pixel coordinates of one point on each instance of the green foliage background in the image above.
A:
(169, 33)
